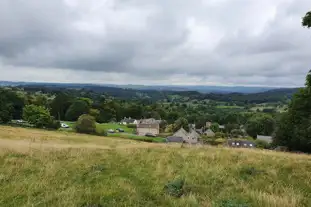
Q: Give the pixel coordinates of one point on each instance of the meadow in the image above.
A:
(54, 168)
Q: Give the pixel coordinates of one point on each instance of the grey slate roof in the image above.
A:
(175, 139)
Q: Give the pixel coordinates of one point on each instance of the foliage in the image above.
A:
(262, 144)
(236, 133)
(260, 124)
(11, 105)
(169, 128)
(95, 113)
(181, 123)
(86, 124)
(175, 188)
(306, 20)
(40, 117)
(293, 130)
(76, 109)
(5, 111)
(101, 132)
(60, 105)
(220, 135)
(215, 127)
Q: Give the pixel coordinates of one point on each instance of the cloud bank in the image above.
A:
(206, 42)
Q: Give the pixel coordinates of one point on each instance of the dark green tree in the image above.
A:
(215, 127)
(261, 124)
(86, 124)
(181, 123)
(40, 117)
(60, 105)
(6, 108)
(76, 109)
(11, 105)
(294, 127)
(306, 20)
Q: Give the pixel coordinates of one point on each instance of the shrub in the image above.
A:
(54, 124)
(86, 124)
(220, 135)
(175, 188)
(101, 132)
(262, 144)
(40, 117)
(220, 141)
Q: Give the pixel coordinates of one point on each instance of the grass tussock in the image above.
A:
(138, 176)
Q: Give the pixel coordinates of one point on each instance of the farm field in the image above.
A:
(106, 126)
(48, 168)
(127, 134)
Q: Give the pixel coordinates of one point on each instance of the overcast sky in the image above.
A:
(197, 42)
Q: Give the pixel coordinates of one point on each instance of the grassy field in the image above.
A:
(106, 126)
(127, 134)
(46, 168)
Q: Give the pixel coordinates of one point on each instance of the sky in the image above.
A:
(155, 42)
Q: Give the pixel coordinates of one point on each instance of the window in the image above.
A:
(233, 143)
(250, 145)
(237, 144)
(245, 145)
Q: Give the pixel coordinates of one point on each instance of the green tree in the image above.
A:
(95, 113)
(40, 117)
(60, 105)
(181, 123)
(76, 109)
(294, 127)
(215, 127)
(306, 20)
(262, 124)
(6, 108)
(86, 124)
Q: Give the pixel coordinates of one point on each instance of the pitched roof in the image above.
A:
(150, 121)
(194, 134)
(264, 138)
(156, 126)
(175, 139)
(209, 132)
(181, 133)
(128, 120)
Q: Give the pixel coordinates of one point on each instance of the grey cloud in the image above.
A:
(238, 42)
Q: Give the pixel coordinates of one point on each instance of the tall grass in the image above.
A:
(136, 177)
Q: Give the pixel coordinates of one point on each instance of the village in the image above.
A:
(151, 128)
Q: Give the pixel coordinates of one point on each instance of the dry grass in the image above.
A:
(120, 173)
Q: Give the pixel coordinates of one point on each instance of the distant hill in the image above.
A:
(274, 95)
(201, 89)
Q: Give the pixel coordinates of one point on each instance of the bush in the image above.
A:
(86, 124)
(175, 188)
(262, 144)
(132, 126)
(76, 109)
(220, 141)
(220, 135)
(101, 132)
(54, 124)
(40, 117)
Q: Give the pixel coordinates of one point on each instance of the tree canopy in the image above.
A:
(294, 127)
(306, 20)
